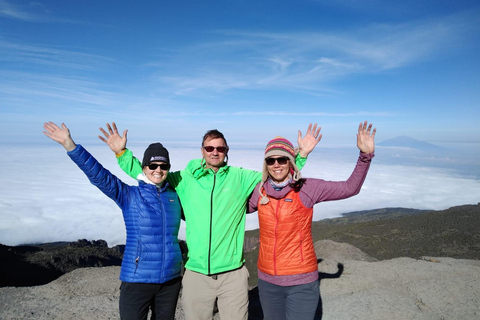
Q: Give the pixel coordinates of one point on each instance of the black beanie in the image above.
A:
(155, 152)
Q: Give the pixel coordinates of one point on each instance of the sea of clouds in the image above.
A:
(44, 196)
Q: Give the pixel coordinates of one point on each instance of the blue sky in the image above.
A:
(171, 70)
(253, 69)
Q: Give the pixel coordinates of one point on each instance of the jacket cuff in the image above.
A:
(367, 156)
(118, 155)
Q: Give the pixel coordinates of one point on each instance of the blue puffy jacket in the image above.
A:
(152, 220)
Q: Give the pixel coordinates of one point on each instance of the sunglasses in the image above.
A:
(219, 149)
(280, 160)
(163, 166)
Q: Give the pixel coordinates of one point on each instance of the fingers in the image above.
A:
(114, 128)
(46, 126)
(310, 128)
(51, 127)
(48, 129)
(314, 131)
(317, 134)
(362, 127)
(365, 128)
(103, 139)
(104, 132)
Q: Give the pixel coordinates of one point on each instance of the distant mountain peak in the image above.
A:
(408, 142)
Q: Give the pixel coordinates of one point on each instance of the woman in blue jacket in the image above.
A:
(151, 265)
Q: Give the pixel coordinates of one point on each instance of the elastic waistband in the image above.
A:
(214, 276)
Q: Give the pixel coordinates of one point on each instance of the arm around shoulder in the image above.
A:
(129, 163)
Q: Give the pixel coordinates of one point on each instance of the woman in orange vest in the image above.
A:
(288, 280)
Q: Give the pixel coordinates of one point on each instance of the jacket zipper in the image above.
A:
(275, 242)
(163, 212)
(300, 233)
(211, 222)
(301, 244)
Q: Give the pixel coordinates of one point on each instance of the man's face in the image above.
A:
(214, 159)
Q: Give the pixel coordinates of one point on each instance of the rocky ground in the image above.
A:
(400, 288)
(405, 265)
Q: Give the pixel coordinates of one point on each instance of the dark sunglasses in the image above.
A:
(219, 149)
(163, 166)
(280, 160)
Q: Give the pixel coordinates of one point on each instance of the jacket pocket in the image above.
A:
(138, 256)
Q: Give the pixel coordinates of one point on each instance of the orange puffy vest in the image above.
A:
(286, 246)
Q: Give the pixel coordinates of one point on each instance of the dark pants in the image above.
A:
(289, 302)
(137, 298)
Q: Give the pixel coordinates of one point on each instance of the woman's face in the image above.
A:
(155, 173)
(278, 168)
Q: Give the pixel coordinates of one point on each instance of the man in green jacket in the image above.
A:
(214, 197)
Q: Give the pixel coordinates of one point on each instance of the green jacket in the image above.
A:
(214, 204)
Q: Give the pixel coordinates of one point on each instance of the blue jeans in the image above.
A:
(137, 298)
(289, 302)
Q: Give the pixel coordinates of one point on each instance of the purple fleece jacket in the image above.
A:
(312, 192)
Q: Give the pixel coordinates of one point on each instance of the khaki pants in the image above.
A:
(200, 292)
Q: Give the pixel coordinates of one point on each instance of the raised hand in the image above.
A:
(60, 135)
(116, 142)
(307, 144)
(366, 137)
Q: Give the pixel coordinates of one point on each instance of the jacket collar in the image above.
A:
(197, 169)
(277, 194)
(142, 179)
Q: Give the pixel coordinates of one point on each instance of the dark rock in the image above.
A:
(32, 265)
(15, 271)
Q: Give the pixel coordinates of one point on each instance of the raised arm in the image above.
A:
(366, 137)
(60, 135)
(312, 138)
(118, 144)
(109, 184)
(115, 141)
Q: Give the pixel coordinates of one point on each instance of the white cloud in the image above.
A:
(47, 56)
(307, 61)
(14, 11)
(45, 197)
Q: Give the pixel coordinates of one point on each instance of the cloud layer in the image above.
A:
(46, 198)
